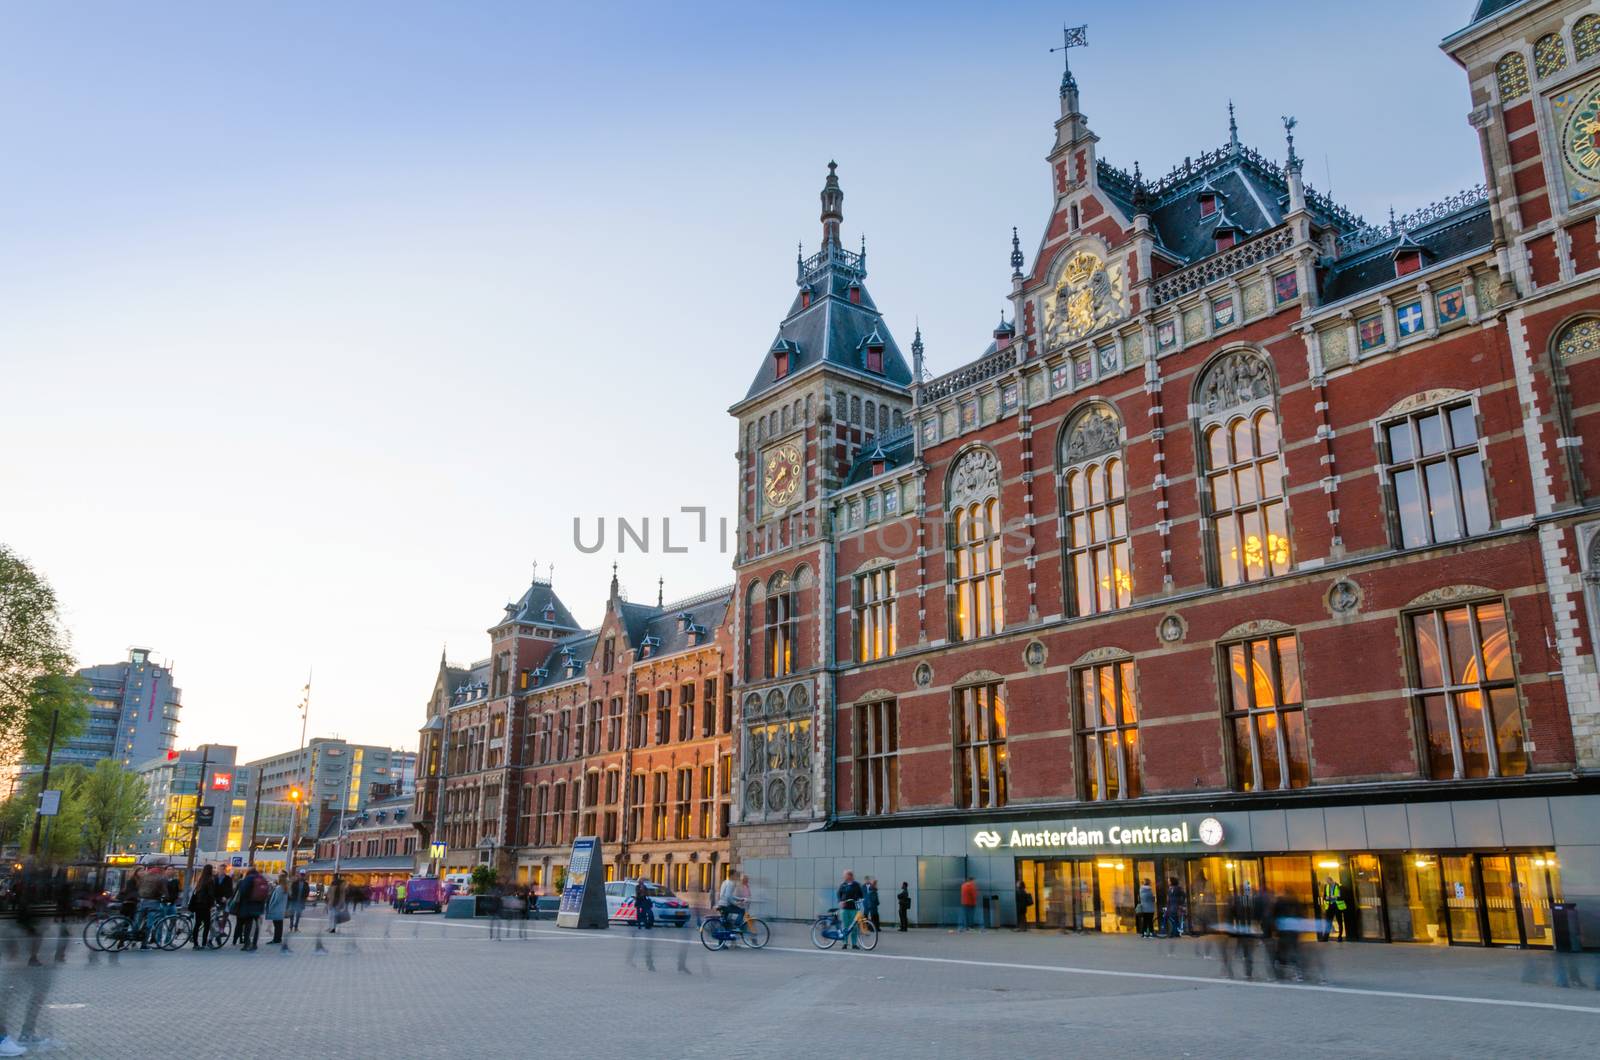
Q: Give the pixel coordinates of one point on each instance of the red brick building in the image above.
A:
(621, 732)
(1258, 549)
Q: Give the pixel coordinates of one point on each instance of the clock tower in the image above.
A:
(831, 382)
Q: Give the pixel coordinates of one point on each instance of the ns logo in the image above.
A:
(987, 840)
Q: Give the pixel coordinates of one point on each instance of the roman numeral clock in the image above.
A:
(781, 467)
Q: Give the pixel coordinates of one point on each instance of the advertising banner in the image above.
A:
(583, 897)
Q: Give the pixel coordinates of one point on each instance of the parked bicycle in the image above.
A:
(167, 931)
(716, 933)
(829, 928)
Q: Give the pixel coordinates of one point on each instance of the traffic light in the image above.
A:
(294, 794)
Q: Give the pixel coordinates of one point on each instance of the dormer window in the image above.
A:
(855, 294)
(780, 363)
(875, 359)
(805, 298)
(1227, 239)
(1208, 203)
(1407, 261)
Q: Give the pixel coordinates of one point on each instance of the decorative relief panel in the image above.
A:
(1234, 380)
(1486, 285)
(1335, 344)
(1255, 300)
(1194, 323)
(1132, 348)
(975, 477)
(1096, 430)
(777, 753)
(1088, 295)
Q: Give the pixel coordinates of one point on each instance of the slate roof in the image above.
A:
(708, 611)
(1491, 7)
(895, 449)
(579, 648)
(530, 608)
(1451, 236)
(832, 328)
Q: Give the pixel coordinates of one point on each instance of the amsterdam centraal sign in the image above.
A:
(1205, 832)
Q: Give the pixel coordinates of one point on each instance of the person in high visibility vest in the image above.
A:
(1333, 907)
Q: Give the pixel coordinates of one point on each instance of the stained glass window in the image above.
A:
(1549, 54)
(1511, 72)
(1586, 37)
(1579, 338)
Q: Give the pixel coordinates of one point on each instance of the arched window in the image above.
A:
(1586, 37)
(778, 626)
(1549, 55)
(1243, 469)
(1511, 74)
(1578, 339)
(1108, 730)
(973, 500)
(1094, 513)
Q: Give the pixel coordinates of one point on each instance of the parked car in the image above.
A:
(426, 893)
(668, 907)
(546, 906)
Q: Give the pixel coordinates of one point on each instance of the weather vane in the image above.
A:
(1071, 37)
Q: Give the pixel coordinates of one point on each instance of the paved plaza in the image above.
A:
(421, 986)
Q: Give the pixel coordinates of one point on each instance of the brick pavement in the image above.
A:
(421, 986)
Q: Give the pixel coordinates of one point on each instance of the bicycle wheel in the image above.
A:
(91, 932)
(708, 934)
(221, 928)
(866, 934)
(756, 933)
(114, 933)
(820, 933)
(176, 931)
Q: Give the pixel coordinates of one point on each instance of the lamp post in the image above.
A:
(294, 802)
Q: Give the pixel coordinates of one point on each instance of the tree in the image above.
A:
(484, 879)
(32, 646)
(114, 803)
(62, 837)
(63, 697)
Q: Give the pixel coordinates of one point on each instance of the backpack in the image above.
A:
(260, 889)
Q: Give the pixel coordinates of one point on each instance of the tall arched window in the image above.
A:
(1511, 74)
(778, 626)
(1095, 514)
(1243, 490)
(973, 501)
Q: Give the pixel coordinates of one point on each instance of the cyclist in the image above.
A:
(152, 896)
(733, 900)
(850, 895)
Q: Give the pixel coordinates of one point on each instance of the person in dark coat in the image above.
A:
(202, 900)
(1024, 903)
(850, 895)
(870, 907)
(644, 911)
(902, 902)
(250, 901)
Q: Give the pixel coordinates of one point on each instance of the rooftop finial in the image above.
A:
(1233, 129)
(1016, 254)
(661, 588)
(1140, 203)
(832, 207)
(1392, 225)
(1288, 134)
(1071, 37)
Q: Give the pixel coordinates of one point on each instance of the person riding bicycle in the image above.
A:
(733, 900)
(152, 897)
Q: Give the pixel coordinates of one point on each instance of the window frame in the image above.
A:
(1125, 685)
(877, 757)
(1252, 711)
(1236, 512)
(1484, 687)
(1100, 464)
(972, 750)
(873, 596)
(1451, 456)
(977, 596)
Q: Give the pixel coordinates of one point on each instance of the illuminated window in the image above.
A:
(874, 614)
(683, 791)
(975, 545)
(1435, 467)
(1095, 514)
(1108, 731)
(1511, 74)
(980, 745)
(1471, 717)
(658, 805)
(1549, 55)
(1266, 714)
(778, 629)
(686, 711)
(1243, 470)
(877, 758)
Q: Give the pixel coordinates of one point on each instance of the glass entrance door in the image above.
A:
(1461, 899)
(1364, 918)
(1538, 884)
(1117, 893)
(1500, 900)
(1085, 909)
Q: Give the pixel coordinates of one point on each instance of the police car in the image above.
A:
(669, 909)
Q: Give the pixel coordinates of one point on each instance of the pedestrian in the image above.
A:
(870, 907)
(902, 903)
(152, 893)
(278, 908)
(1144, 914)
(1024, 903)
(201, 901)
(250, 901)
(644, 913)
(1177, 909)
(399, 896)
(338, 904)
(969, 905)
(299, 891)
(1288, 920)
(1333, 908)
(850, 895)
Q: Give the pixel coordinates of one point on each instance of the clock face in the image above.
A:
(781, 474)
(1579, 114)
(1210, 831)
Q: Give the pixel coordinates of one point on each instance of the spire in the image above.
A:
(916, 356)
(832, 208)
(1293, 162)
(616, 590)
(661, 587)
(1016, 254)
(1233, 129)
(1071, 37)
(1291, 169)
(1141, 200)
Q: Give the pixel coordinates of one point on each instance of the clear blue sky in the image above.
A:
(321, 322)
